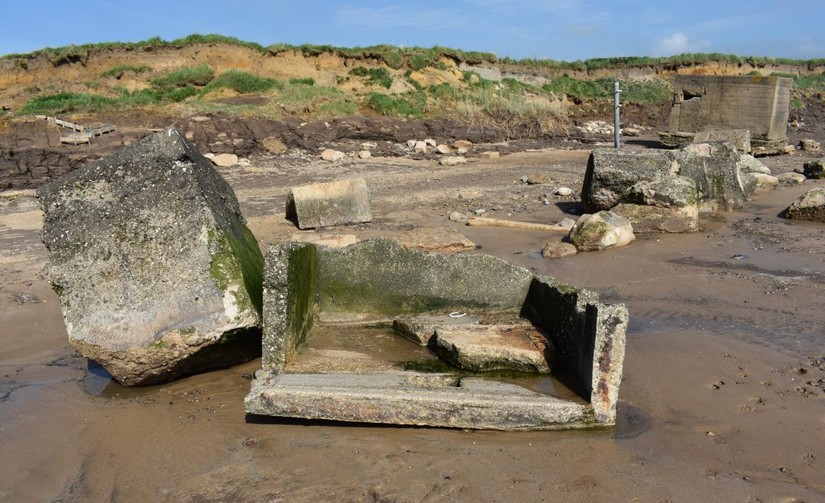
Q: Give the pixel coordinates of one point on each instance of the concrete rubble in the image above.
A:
(809, 206)
(156, 271)
(380, 279)
(327, 204)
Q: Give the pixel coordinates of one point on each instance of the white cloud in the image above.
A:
(674, 44)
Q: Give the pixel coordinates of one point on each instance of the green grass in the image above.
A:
(67, 102)
(412, 105)
(378, 76)
(242, 82)
(312, 100)
(193, 75)
(119, 70)
(309, 81)
(653, 91)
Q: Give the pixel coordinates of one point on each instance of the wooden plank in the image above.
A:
(513, 224)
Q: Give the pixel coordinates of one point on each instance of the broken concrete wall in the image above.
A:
(588, 339)
(332, 203)
(759, 104)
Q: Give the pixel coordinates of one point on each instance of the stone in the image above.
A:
(421, 329)
(420, 147)
(600, 231)
(715, 169)
(331, 203)
(225, 160)
(809, 206)
(566, 223)
(456, 216)
(490, 154)
(156, 272)
(611, 172)
(443, 149)
(791, 178)
(364, 154)
(809, 145)
(563, 191)
(332, 155)
(440, 239)
(764, 183)
(274, 145)
(411, 143)
(740, 138)
(558, 249)
(654, 219)
(663, 190)
(452, 160)
(482, 348)
(430, 142)
(814, 169)
(750, 164)
(537, 178)
(462, 144)
(630, 131)
(331, 240)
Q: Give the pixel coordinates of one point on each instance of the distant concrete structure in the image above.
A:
(712, 103)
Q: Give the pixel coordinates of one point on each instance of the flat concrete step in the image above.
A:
(413, 398)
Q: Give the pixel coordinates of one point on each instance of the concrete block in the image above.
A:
(481, 348)
(333, 203)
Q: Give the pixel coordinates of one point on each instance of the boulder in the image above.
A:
(814, 169)
(225, 160)
(332, 155)
(763, 182)
(600, 231)
(420, 147)
(611, 172)
(791, 178)
(155, 269)
(663, 190)
(558, 249)
(364, 154)
(652, 219)
(481, 348)
(810, 206)
(331, 203)
(809, 145)
(274, 145)
(715, 169)
(443, 149)
(740, 138)
(750, 164)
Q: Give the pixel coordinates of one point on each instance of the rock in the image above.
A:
(764, 183)
(611, 172)
(364, 154)
(421, 329)
(489, 154)
(411, 143)
(480, 348)
(740, 138)
(331, 240)
(209, 156)
(443, 149)
(225, 160)
(791, 178)
(456, 216)
(814, 169)
(566, 223)
(716, 170)
(156, 271)
(537, 178)
(558, 249)
(369, 145)
(452, 160)
(563, 192)
(750, 164)
(662, 190)
(440, 239)
(274, 145)
(332, 155)
(332, 203)
(809, 145)
(810, 206)
(630, 131)
(462, 146)
(420, 147)
(430, 142)
(652, 219)
(600, 231)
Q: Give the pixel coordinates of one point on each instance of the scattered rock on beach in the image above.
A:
(810, 206)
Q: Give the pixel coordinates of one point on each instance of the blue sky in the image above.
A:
(556, 29)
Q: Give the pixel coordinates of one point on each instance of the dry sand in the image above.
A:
(722, 398)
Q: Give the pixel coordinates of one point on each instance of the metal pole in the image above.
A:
(616, 106)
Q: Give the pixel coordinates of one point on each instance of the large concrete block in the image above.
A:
(332, 203)
(156, 271)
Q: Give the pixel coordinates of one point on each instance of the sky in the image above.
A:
(565, 30)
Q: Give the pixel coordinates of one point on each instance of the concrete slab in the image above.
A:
(412, 398)
(481, 348)
(325, 204)
(421, 329)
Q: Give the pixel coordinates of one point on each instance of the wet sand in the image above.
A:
(722, 397)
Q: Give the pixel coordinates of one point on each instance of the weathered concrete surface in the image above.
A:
(332, 203)
(411, 398)
(715, 168)
(421, 329)
(481, 348)
(380, 277)
(648, 219)
(600, 231)
(740, 138)
(153, 264)
(611, 172)
(758, 104)
(440, 239)
(810, 206)
(588, 339)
